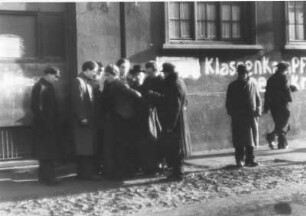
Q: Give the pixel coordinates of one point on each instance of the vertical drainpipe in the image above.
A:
(122, 30)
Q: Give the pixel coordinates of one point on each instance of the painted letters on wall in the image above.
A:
(260, 70)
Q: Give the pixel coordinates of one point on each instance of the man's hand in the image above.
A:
(84, 122)
(138, 94)
(293, 88)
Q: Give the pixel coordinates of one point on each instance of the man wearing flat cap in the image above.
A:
(45, 124)
(277, 99)
(174, 103)
(243, 104)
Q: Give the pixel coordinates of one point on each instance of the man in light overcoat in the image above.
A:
(83, 104)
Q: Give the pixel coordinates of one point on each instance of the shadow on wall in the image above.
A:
(155, 39)
(144, 56)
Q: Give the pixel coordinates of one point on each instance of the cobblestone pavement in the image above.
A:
(158, 194)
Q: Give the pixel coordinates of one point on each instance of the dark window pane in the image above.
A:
(18, 36)
(53, 36)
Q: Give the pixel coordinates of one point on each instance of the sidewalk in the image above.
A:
(203, 160)
(26, 170)
(220, 158)
(204, 181)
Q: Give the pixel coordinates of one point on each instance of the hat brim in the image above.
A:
(244, 71)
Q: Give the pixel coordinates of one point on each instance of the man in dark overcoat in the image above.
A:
(124, 113)
(45, 122)
(277, 100)
(174, 101)
(111, 73)
(243, 104)
(83, 104)
(151, 153)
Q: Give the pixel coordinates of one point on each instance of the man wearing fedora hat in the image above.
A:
(277, 99)
(174, 103)
(243, 104)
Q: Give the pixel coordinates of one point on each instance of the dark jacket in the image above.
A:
(123, 99)
(153, 86)
(174, 107)
(151, 113)
(277, 91)
(45, 119)
(174, 101)
(83, 105)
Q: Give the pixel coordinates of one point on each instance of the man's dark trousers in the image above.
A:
(280, 115)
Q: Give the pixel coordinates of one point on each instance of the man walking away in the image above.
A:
(243, 104)
(277, 99)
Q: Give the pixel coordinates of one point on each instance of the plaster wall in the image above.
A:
(98, 32)
(207, 72)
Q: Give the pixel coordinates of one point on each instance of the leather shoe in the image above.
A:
(240, 164)
(252, 164)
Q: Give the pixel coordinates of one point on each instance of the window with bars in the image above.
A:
(201, 22)
(296, 11)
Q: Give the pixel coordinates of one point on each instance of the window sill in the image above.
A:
(213, 46)
(31, 60)
(295, 46)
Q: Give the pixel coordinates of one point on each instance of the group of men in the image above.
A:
(125, 125)
(243, 104)
(120, 123)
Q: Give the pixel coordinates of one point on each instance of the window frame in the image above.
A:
(293, 44)
(247, 41)
(38, 33)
